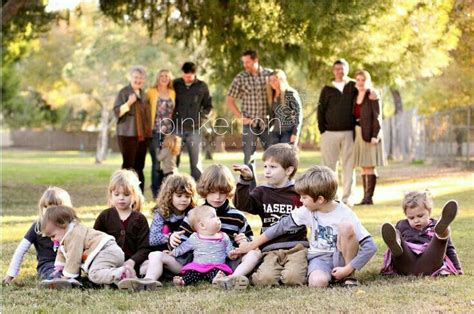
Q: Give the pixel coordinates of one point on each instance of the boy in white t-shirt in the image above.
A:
(339, 244)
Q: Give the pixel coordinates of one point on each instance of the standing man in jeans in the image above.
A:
(250, 86)
(193, 105)
(336, 124)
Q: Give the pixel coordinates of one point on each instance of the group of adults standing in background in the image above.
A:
(270, 111)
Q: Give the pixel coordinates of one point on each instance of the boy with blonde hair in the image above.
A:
(339, 244)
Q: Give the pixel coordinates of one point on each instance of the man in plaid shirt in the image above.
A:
(250, 87)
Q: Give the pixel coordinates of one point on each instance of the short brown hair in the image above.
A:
(414, 199)
(197, 213)
(216, 178)
(60, 216)
(317, 181)
(284, 154)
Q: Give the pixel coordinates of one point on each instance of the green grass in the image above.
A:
(26, 174)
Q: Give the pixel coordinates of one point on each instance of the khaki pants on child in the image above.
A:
(106, 266)
(288, 266)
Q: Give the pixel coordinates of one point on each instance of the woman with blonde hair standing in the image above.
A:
(161, 100)
(286, 109)
(368, 148)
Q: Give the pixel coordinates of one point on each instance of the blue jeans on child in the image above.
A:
(46, 270)
(192, 141)
(156, 173)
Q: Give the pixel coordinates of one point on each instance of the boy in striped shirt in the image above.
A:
(217, 187)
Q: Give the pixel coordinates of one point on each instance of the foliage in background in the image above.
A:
(407, 46)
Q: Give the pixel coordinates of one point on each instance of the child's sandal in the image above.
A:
(232, 283)
(136, 285)
(350, 282)
(59, 284)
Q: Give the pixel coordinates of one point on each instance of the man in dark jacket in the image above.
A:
(193, 105)
(336, 124)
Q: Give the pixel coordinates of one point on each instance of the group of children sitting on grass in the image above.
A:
(213, 242)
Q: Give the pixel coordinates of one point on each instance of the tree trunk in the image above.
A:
(102, 138)
(393, 146)
(397, 100)
(10, 9)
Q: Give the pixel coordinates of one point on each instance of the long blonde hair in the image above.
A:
(284, 86)
(173, 143)
(157, 78)
(53, 196)
(368, 78)
(129, 182)
(176, 183)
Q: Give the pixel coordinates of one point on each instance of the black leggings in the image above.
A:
(192, 276)
(133, 155)
(426, 263)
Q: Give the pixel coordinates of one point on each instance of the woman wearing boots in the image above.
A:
(368, 148)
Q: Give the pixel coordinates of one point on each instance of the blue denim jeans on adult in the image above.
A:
(156, 175)
(192, 141)
(280, 137)
(249, 142)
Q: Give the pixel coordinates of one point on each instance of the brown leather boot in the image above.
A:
(371, 182)
(364, 184)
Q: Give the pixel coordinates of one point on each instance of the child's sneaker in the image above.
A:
(392, 239)
(448, 214)
(232, 282)
(135, 284)
(59, 284)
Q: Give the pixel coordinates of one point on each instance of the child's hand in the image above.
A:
(244, 170)
(233, 255)
(244, 248)
(58, 268)
(342, 272)
(239, 238)
(130, 263)
(7, 280)
(175, 238)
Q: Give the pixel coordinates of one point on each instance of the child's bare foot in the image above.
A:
(448, 214)
(178, 281)
(391, 237)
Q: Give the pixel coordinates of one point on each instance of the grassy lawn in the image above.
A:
(25, 175)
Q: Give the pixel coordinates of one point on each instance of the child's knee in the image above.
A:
(252, 255)
(155, 256)
(318, 279)
(346, 230)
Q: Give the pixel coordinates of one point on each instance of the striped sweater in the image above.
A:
(233, 221)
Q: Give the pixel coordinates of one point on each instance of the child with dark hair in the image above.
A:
(339, 245)
(284, 257)
(217, 187)
(81, 247)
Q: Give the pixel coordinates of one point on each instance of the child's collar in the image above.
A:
(289, 183)
(69, 228)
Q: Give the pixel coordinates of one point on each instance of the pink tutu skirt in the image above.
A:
(205, 268)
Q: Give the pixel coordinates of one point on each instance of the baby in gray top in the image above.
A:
(210, 248)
